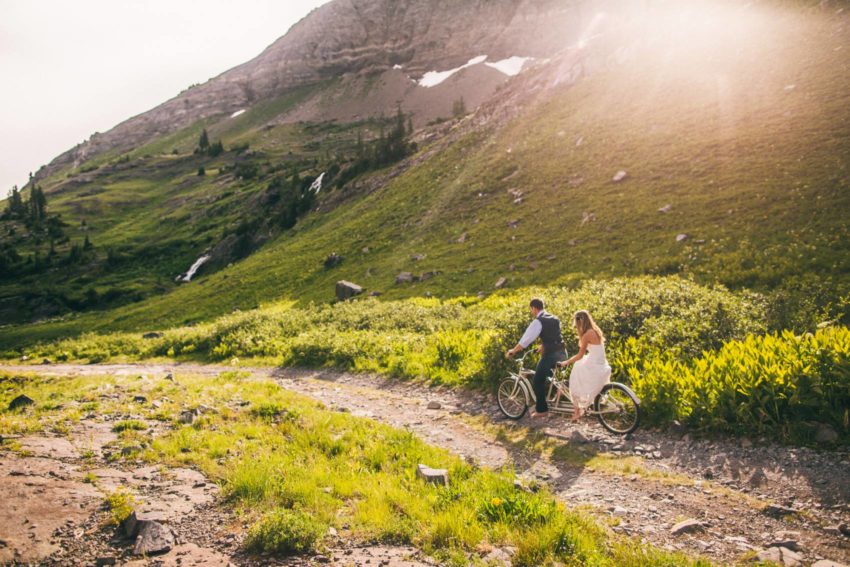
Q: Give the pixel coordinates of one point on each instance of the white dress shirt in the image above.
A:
(531, 333)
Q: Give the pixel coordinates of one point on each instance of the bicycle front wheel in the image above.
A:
(512, 398)
(617, 409)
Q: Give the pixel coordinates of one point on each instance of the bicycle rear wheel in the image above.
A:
(512, 398)
(617, 409)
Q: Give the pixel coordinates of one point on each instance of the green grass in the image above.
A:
(292, 479)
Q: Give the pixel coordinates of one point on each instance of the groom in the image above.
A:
(548, 328)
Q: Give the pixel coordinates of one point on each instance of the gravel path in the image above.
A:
(748, 496)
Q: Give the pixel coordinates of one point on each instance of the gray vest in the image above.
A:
(550, 334)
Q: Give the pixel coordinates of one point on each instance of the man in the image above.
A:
(553, 350)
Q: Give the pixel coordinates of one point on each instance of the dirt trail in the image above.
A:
(642, 485)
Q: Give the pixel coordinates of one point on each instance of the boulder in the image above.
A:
(619, 176)
(500, 283)
(433, 476)
(140, 399)
(780, 555)
(21, 401)
(665, 209)
(152, 335)
(462, 238)
(404, 277)
(681, 237)
(687, 526)
(347, 290)
(134, 523)
(154, 538)
(433, 404)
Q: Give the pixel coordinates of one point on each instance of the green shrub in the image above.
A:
(286, 532)
(781, 385)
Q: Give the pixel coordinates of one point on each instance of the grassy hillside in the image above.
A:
(743, 135)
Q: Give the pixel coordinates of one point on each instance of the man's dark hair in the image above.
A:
(537, 303)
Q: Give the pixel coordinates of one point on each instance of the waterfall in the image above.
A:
(188, 276)
(317, 184)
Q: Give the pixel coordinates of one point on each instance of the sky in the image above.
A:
(72, 68)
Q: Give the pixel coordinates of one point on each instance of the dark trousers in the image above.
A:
(542, 375)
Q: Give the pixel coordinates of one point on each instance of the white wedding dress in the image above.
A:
(589, 375)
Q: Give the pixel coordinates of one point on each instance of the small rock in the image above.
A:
(758, 478)
(687, 526)
(587, 217)
(433, 404)
(404, 277)
(170, 377)
(103, 561)
(791, 544)
(332, 260)
(187, 417)
(46, 361)
(461, 239)
(513, 223)
(681, 237)
(500, 283)
(21, 401)
(434, 476)
(778, 511)
(140, 399)
(151, 335)
(665, 209)
(153, 538)
(844, 529)
(618, 511)
(619, 176)
(578, 438)
(417, 257)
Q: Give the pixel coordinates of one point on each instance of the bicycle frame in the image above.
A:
(557, 381)
(564, 404)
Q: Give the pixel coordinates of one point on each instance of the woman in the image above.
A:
(590, 373)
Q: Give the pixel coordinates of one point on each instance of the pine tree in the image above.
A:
(204, 141)
(87, 245)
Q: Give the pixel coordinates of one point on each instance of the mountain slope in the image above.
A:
(741, 135)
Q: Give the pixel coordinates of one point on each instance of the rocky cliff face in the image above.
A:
(358, 36)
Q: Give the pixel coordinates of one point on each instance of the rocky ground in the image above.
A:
(729, 500)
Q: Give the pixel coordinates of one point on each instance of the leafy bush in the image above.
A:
(285, 531)
(781, 385)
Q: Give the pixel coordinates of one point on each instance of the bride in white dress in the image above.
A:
(590, 373)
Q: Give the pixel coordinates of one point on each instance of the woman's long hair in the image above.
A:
(583, 322)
